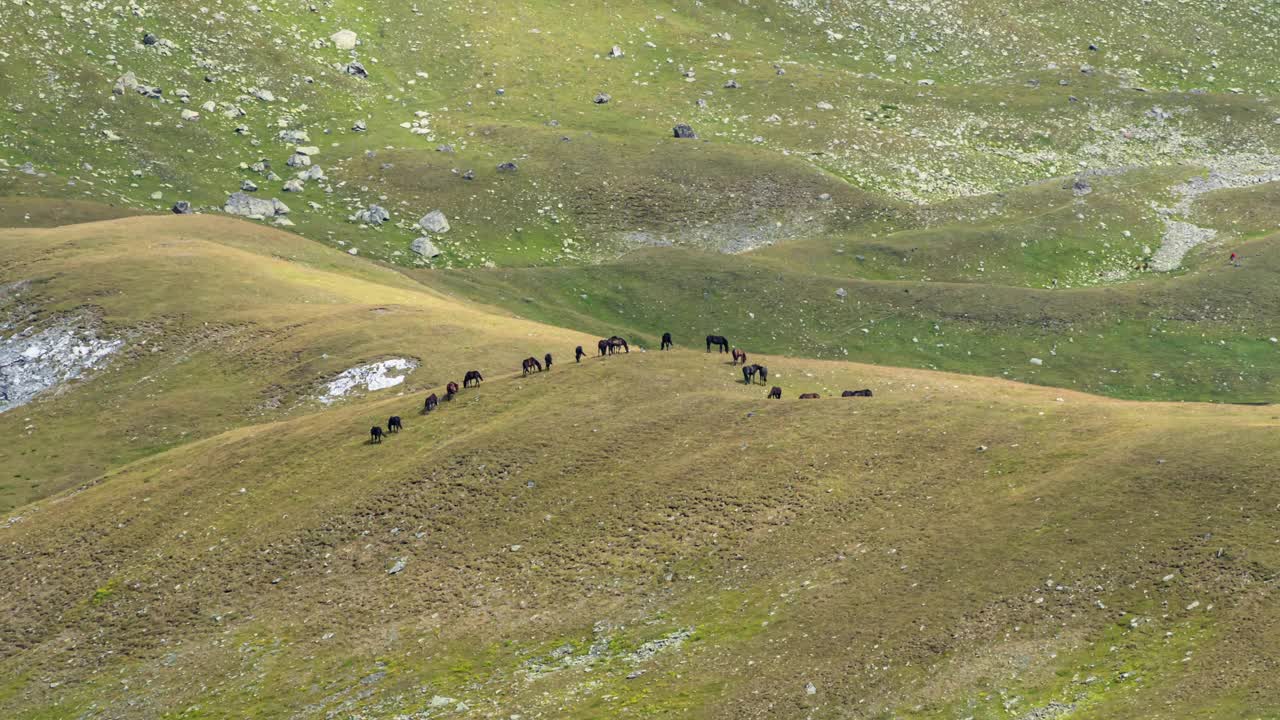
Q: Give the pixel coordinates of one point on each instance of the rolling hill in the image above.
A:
(639, 534)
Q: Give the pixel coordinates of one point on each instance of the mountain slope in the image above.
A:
(640, 534)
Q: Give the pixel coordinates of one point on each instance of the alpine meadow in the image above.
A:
(710, 359)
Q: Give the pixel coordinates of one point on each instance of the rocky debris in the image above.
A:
(601, 98)
(842, 293)
(469, 175)
(810, 689)
(357, 69)
(293, 137)
(127, 81)
(1181, 236)
(370, 377)
(396, 567)
(372, 215)
(1081, 187)
(700, 102)
(1049, 712)
(149, 39)
(507, 167)
(731, 85)
(616, 51)
(824, 105)
(34, 359)
(248, 186)
(424, 247)
(294, 186)
(359, 126)
(246, 205)
(345, 39)
(684, 132)
(315, 172)
(434, 222)
(298, 159)
(653, 647)
(182, 207)
(263, 95)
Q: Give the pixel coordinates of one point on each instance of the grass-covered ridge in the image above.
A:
(639, 534)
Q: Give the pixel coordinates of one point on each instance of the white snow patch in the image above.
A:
(33, 360)
(373, 376)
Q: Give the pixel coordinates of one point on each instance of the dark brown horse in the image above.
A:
(603, 347)
(751, 372)
(547, 360)
(394, 425)
(738, 356)
(856, 393)
(775, 393)
(809, 396)
(616, 342)
(529, 364)
(431, 403)
(375, 434)
(666, 341)
(719, 341)
(450, 390)
(577, 354)
(473, 377)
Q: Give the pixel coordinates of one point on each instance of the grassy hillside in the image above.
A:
(639, 535)
(879, 106)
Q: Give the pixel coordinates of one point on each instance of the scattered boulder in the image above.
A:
(263, 95)
(293, 186)
(127, 81)
(355, 68)
(189, 115)
(344, 39)
(315, 172)
(434, 222)
(424, 247)
(616, 51)
(245, 205)
(373, 215)
(150, 39)
(731, 85)
(507, 167)
(602, 98)
(684, 132)
(842, 293)
(293, 137)
(298, 160)
(359, 126)
(248, 186)
(1081, 187)
(182, 207)
(469, 175)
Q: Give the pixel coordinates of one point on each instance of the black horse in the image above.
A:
(394, 424)
(431, 403)
(750, 372)
(666, 341)
(547, 360)
(775, 393)
(529, 364)
(577, 354)
(717, 340)
(856, 393)
(473, 377)
(603, 347)
(616, 342)
(375, 434)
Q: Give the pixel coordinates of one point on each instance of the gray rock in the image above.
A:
(359, 126)
(293, 186)
(344, 39)
(684, 132)
(373, 215)
(150, 39)
(263, 95)
(315, 172)
(731, 85)
(293, 137)
(397, 567)
(424, 247)
(601, 99)
(182, 207)
(469, 175)
(355, 68)
(507, 167)
(248, 186)
(246, 205)
(1081, 187)
(127, 81)
(298, 160)
(434, 222)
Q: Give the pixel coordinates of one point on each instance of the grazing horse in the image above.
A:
(738, 355)
(762, 372)
(616, 342)
(375, 434)
(666, 341)
(431, 403)
(450, 390)
(603, 347)
(394, 424)
(775, 393)
(530, 363)
(748, 373)
(719, 341)
(547, 360)
(809, 396)
(856, 393)
(473, 377)
(577, 354)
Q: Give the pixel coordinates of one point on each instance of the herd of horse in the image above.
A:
(607, 346)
